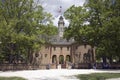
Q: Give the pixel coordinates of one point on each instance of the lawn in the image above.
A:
(11, 78)
(98, 76)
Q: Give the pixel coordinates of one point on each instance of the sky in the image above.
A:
(58, 7)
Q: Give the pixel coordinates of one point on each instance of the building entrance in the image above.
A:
(61, 59)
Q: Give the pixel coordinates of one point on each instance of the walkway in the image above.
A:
(53, 74)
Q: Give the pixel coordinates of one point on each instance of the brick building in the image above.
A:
(64, 52)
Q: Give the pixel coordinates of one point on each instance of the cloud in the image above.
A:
(53, 7)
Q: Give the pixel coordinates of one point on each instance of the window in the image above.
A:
(68, 58)
(61, 59)
(61, 48)
(54, 48)
(85, 46)
(68, 48)
(76, 47)
(60, 29)
(79, 54)
(36, 54)
(55, 40)
(61, 39)
(46, 47)
(67, 40)
(54, 59)
(45, 55)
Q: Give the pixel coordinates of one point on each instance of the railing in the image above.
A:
(115, 65)
(24, 66)
(6, 67)
(97, 66)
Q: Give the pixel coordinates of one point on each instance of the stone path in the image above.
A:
(54, 74)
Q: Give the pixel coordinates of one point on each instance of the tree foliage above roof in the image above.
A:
(96, 23)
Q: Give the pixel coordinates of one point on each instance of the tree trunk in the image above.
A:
(104, 59)
(110, 60)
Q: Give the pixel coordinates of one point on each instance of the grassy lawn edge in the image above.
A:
(98, 76)
(12, 78)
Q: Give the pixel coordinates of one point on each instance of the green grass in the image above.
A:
(98, 76)
(11, 78)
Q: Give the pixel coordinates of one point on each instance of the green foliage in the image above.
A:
(96, 23)
(98, 76)
(22, 22)
(76, 16)
(11, 78)
(50, 30)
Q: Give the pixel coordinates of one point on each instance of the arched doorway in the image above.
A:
(68, 58)
(54, 59)
(61, 59)
(86, 57)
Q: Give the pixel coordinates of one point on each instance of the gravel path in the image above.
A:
(54, 74)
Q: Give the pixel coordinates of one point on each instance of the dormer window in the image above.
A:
(55, 40)
(54, 48)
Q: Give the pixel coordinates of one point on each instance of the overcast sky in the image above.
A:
(53, 6)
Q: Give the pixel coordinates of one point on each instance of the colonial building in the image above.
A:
(64, 52)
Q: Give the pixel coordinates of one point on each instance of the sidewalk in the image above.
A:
(53, 74)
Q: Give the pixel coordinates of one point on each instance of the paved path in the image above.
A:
(54, 74)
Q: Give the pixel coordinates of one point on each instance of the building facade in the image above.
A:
(63, 52)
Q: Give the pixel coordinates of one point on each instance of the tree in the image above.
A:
(76, 16)
(21, 24)
(100, 26)
(104, 20)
